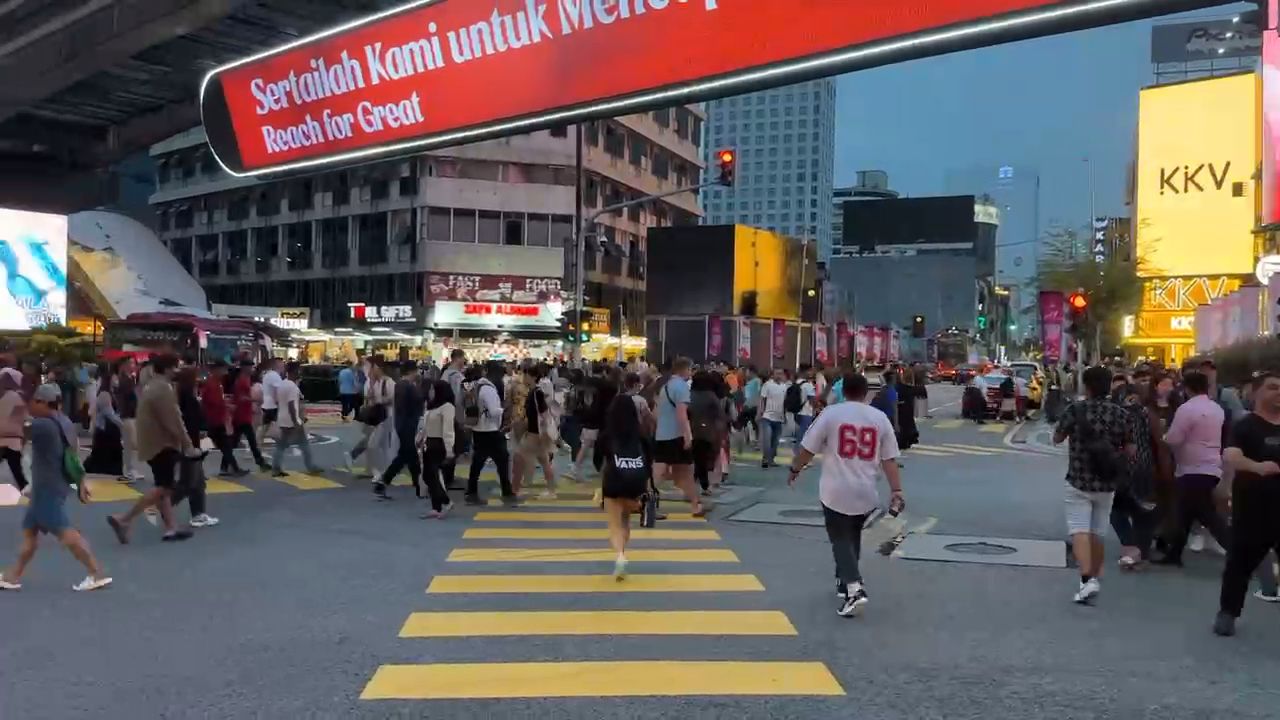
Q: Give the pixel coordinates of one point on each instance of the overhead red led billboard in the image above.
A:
(444, 72)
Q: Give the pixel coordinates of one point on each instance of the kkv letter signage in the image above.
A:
(436, 73)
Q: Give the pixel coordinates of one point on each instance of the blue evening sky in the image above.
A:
(1044, 103)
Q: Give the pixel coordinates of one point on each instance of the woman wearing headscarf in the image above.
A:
(107, 454)
(13, 419)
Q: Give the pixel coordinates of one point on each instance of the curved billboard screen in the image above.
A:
(443, 72)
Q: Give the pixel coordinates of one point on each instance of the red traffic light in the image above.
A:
(727, 158)
(1078, 301)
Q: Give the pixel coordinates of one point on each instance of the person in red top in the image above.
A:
(217, 417)
(242, 413)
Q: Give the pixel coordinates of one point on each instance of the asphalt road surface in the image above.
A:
(313, 600)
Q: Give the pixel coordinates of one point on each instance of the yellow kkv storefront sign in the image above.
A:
(1198, 148)
(1169, 306)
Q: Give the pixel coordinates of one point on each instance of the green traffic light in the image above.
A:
(982, 322)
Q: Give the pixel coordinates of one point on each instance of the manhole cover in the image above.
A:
(801, 513)
(980, 548)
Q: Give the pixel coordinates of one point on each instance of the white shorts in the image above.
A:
(1087, 512)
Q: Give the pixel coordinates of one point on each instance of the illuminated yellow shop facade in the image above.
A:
(1198, 149)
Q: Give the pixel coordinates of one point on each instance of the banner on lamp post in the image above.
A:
(821, 351)
(744, 339)
(1052, 318)
(715, 337)
(779, 339)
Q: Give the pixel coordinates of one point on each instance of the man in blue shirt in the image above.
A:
(51, 435)
(673, 446)
(751, 402)
(348, 389)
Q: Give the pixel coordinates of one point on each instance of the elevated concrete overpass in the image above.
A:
(85, 83)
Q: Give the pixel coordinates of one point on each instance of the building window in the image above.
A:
(560, 131)
(237, 251)
(301, 195)
(181, 249)
(335, 245)
(662, 117)
(408, 186)
(513, 229)
(266, 248)
(404, 238)
(438, 224)
(538, 231)
(561, 230)
(207, 252)
(464, 226)
(371, 239)
(297, 238)
(489, 228)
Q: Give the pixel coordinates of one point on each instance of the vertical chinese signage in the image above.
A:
(779, 339)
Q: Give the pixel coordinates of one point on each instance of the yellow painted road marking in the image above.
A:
(917, 450)
(960, 449)
(997, 428)
(597, 622)
(598, 679)
(981, 447)
(303, 481)
(454, 584)
(218, 486)
(679, 555)
(557, 503)
(490, 516)
(948, 424)
(104, 491)
(490, 533)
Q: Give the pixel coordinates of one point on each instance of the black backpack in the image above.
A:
(1008, 388)
(793, 402)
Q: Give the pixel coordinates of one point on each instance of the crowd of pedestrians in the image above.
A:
(1166, 458)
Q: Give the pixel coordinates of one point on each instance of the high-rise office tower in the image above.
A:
(785, 141)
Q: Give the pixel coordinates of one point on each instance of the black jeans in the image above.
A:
(14, 458)
(245, 430)
(1133, 524)
(704, 461)
(845, 534)
(222, 441)
(348, 404)
(1195, 503)
(406, 457)
(1255, 505)
(438, 473)
(486, 445)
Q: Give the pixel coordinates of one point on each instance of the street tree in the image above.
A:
(1112, 284)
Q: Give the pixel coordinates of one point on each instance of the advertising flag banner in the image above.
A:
(1052, 319)
(744, 339)
(436, 73)
(715, 336)
(821, 350)
(844, 349)
(779, 339)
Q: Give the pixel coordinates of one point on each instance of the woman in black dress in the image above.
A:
(106, 455)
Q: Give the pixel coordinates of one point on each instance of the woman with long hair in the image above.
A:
(106, 456)
(437, 442)
(191, 477)
(627, 474)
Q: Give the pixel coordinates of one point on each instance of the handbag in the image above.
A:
(649, 509)
(71, 465)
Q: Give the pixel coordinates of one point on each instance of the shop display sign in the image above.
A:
(382, 314)
(449, 313)
(436, 73)
(492, 288)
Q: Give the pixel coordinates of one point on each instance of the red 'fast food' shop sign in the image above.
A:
(443, 72)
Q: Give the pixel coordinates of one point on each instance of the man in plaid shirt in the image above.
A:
(1100, 431)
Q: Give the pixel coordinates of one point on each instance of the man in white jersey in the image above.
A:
(857, 443)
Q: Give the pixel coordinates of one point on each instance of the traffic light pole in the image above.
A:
(581, 246)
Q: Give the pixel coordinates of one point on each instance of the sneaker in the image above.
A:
(440, 514)
(620, 568)
(26, 491)
(547, 495)
(6, 585)
(1224, 625)
(204, 520)
(91, 583)
(1127, 562)
(124, 479)
(1195, 543)
(842, 590)
(1267, 598)
(854, 603)
(1088, 592)
(152, 515)
(511, 500)
(380, 491)
(473, 500)
(348, 462)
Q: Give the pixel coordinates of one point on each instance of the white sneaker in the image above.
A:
(1265, 597)
(1195, 543)
(152, 515)
(204, 520)
(547, 495)
(90, 583)
(620, 568)
(1088, 591)
(26, 491)
(6, 585)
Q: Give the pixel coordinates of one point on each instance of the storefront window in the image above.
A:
(490, 228)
